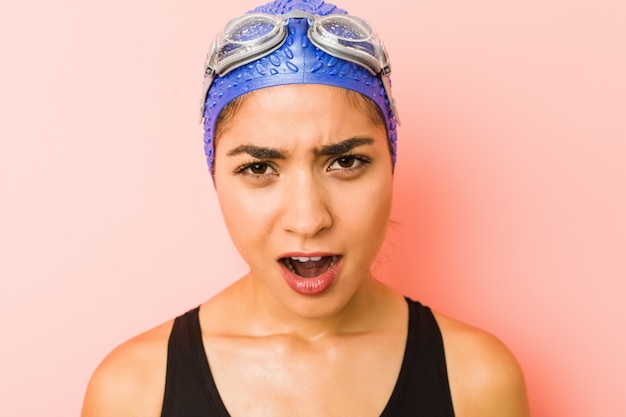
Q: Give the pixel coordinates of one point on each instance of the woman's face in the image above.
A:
(304, 180)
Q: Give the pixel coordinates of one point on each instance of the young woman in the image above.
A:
(300, 131)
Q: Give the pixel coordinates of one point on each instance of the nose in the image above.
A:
(306, 209)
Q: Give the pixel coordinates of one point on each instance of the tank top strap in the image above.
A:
(190, 390)
(422, 388)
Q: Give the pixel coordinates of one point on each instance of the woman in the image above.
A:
(300, 130)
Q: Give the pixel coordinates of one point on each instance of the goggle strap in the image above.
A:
(206, 85)
(392, 101)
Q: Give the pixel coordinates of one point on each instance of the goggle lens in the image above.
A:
(351, 29)
(244, 39)
(256, 28)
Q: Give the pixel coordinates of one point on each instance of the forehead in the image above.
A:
(300, 109)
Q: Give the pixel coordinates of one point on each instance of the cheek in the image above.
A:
(248, 215)
(365, 209)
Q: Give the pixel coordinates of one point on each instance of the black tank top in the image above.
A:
(421, 390)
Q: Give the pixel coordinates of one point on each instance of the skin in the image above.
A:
(274, 352)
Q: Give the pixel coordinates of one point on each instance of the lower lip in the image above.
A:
(310, 286)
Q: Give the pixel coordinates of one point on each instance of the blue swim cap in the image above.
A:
(297, 61)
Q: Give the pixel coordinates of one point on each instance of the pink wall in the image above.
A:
(510, 200)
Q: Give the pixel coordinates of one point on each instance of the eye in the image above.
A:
(259, 168)
(349, 163)
(346, 161)
(256, 169)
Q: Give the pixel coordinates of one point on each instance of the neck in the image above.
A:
(313, 318)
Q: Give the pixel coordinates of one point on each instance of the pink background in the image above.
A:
(510, 188)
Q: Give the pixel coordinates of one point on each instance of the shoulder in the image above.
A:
(485, 378)
(130, 381)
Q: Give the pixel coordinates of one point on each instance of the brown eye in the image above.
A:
(349, 163)
(346, 161)
(258, 169)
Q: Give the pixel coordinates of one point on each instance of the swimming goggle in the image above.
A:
(250, 37)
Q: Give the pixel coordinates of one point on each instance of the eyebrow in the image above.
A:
(261, 152)
(258, 152)
(343, 146)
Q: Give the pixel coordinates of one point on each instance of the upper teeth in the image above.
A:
(306, 258)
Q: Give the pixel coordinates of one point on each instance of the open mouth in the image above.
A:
(309, 267)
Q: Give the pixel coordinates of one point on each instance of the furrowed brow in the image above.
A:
(343, 146)
(258, 152)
